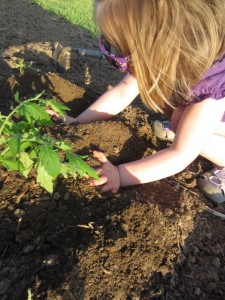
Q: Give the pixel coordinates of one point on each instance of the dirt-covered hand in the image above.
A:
(108, 173)
(57, 117)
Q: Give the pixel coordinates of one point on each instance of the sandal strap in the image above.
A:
(220, 174)
(167, 129)
(218, 178)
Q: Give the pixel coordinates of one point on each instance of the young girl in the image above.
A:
(174, 53)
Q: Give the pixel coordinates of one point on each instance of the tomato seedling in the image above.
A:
(25, 145)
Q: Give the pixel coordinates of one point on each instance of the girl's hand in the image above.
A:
(66, 121)
(108, 173)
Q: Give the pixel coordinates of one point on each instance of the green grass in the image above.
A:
(78, 12)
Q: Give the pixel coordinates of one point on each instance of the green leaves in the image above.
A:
(23, 146)
(33, 112)
(45, 180)
(49, 159)
(14, 145)
(58, 108)
(77, 165)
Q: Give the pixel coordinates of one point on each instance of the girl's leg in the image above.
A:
(211, 183)
(214, 149)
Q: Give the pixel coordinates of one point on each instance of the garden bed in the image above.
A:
(154, 241)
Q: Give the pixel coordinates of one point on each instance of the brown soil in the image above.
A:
(155, 241)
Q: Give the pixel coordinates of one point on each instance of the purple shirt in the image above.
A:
(212, 84)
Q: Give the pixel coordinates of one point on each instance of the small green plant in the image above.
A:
(25, 144)
(22, 65)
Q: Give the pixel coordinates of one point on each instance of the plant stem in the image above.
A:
(13, 112)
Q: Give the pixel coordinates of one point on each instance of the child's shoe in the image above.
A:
(212, 184)
(163, 130)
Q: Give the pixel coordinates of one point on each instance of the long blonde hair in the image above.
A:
(171, 42)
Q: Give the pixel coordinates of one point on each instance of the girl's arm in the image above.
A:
(111, 102)
(195, 128)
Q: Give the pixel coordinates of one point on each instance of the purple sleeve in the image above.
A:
(212, 84)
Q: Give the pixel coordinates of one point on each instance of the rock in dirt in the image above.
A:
(216, 262)
(19, 213)
(197, 291)
(51, 261)
(28, 249)
(4, 286)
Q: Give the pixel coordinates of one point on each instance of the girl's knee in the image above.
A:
(176, 116)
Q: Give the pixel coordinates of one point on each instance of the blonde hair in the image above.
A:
(171, 42)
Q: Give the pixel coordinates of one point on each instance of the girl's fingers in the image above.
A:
(98, 172)
(52, 112)
(106, 179)
(109, 188)
(100, 156)
(54, 115)
(102, 180)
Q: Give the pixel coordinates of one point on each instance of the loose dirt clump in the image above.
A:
(154, 241)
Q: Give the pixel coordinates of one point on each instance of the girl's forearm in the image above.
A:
(101, 109)
(155, 167)
(111, 102)
(90, 115)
